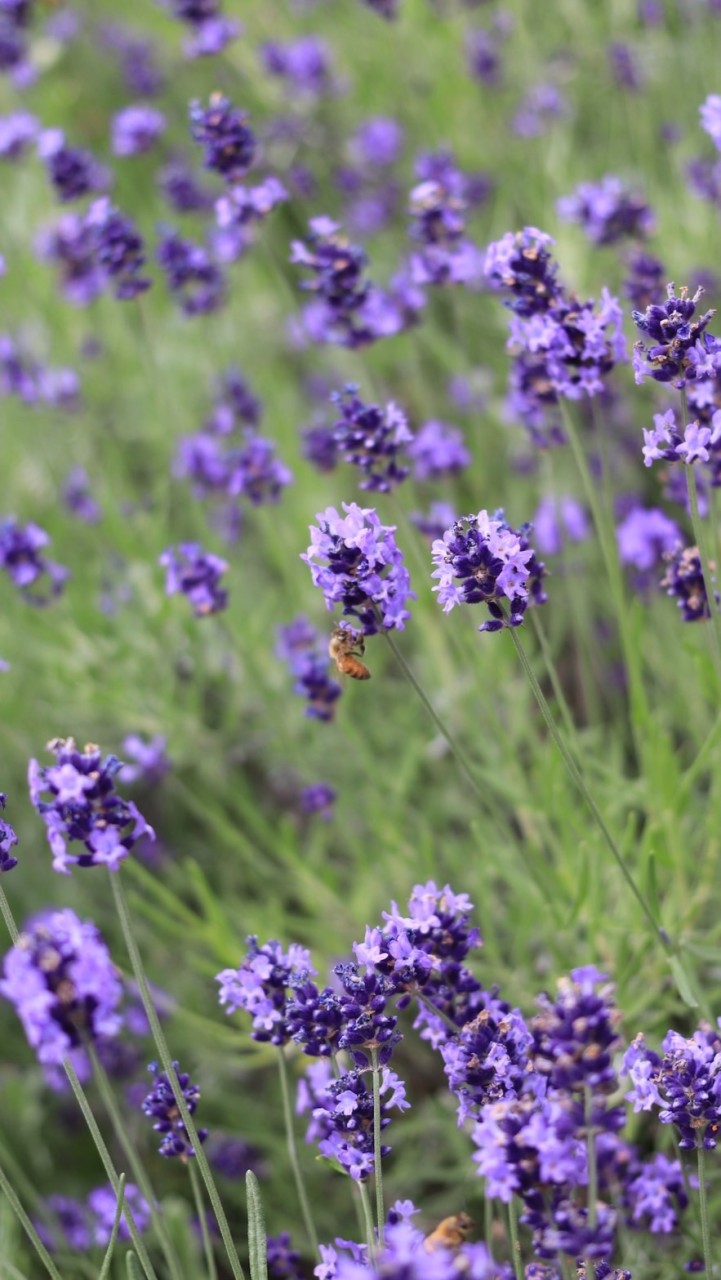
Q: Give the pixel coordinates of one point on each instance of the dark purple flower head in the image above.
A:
(8, 840)
(236, 405)
(483, 56)
(70, 243)
(191, 273)
(118, 248)
(255, 473)
(319, 798)
(320, 447)
(160, 1106)
(444, 256)
(357, 563)
(78, 498)
(576, 1034)
(520, 266)
(221, 130)
(195, 573)
(84, 807)
(63, 984)
(284, 1262)
(645, 278)
(435, 521)
(37, 578)
(624, 67)
(262, 987)
(489, 1058)
(385, 8)
(306, 653)
(367, 1027)
(342, 1115)
(608, 211)
(371, 438)
(684, 1083)
(336, 278)
(304, 64)
(17, 132)
(482, 560)
(437, 450)
(679, 351)
(136, 129)
(684, 581)
(182, 190)
(73, 172)
(71, 1226)
(233, 1156)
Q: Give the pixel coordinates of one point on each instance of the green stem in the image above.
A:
(121, 907)
(28, 1227)
(134, 1162)
(293, 1154)
(8, 917)
(515, 1245)
(553, 674)
(377, 1161)
(659, 933)
(202, 1220)
(703, 1204)
(368, 1219)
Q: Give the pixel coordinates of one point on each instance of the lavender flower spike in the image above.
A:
(195, 573)
(482, 560)
(357, 563)
(8, 839)
(161, 1106)
(84, 807)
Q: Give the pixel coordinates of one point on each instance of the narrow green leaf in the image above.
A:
(105, 1269)
(131, 1266)
(683, 985)
(257, 1247)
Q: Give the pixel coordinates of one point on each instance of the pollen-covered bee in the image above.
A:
(450, 1233)
(346, 648)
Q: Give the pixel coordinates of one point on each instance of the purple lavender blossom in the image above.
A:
(538, 109)
(182, 190)
(71, 1226)
(645, 278)
(377, 142)
(8, 840)
(63, 984)
(445, 255)
(645, 535)
(220, 129)
(102, 1203)
(160, 1105)
(656, 1195)
(519, 264)
(22, 559)
(489, 1058)
(665, 442)
(73, 172)
(483, 57)
(84, 807)
(304, 64)
(679, 351)
(608, 211)
(191, 273)
(437, 450)
(319, 447)
(137, 58)
(78, 498)
(284, 1262)
(70, 243)
(195, 573)
(710, 113)
(300, 645)
(118, 248)
(684, 1084)
(262, 984)
(17, 132)
(576, 1033)
(357, 563)
(243, 206)
(482, 560)
(342, 1115)
(624, 67)
(684, 581)
(136, 129)
(233, 1157)
(337, 268)
(211, 37)
(319, 798)
(236, 404)
(558, 519)
(372, 439)
(150, 760)
(433, 523)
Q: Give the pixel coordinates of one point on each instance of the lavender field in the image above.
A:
(360, 640)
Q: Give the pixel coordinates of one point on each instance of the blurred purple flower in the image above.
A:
(437, 450)
(191, 274)
(305, 64)
(8, 840)
(73, 172)
(78, 498)
(17, 132)
(136, 129)
(558, 519)
(22, 559)
(150, 760)
(195, 573)
(318, 798)
(608, 211)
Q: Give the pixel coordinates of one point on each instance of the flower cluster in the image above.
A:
(608, 211)
(196, 574)
(82, 1224)
(337, 279)
(118, 249)
(160, 1105)
(679, 351)
(489, 1057)
(84, 807)
(304, 65)
(305, 652)
(8, 840)
(437, 207)
(73, 172)
(261, 987)
(684, 581)
(576, 1033)
(63, 984)
(221, 130)
(191, 272)
(136, 129)
(372, 439)
(357, 563)
(22, 559)
(665, 442)
(438, 449)
(342, 1115)
(210, 31)
(684, 1083)
(482, 560)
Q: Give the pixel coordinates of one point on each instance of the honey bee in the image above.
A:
(450, 1233)
(346, 648)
